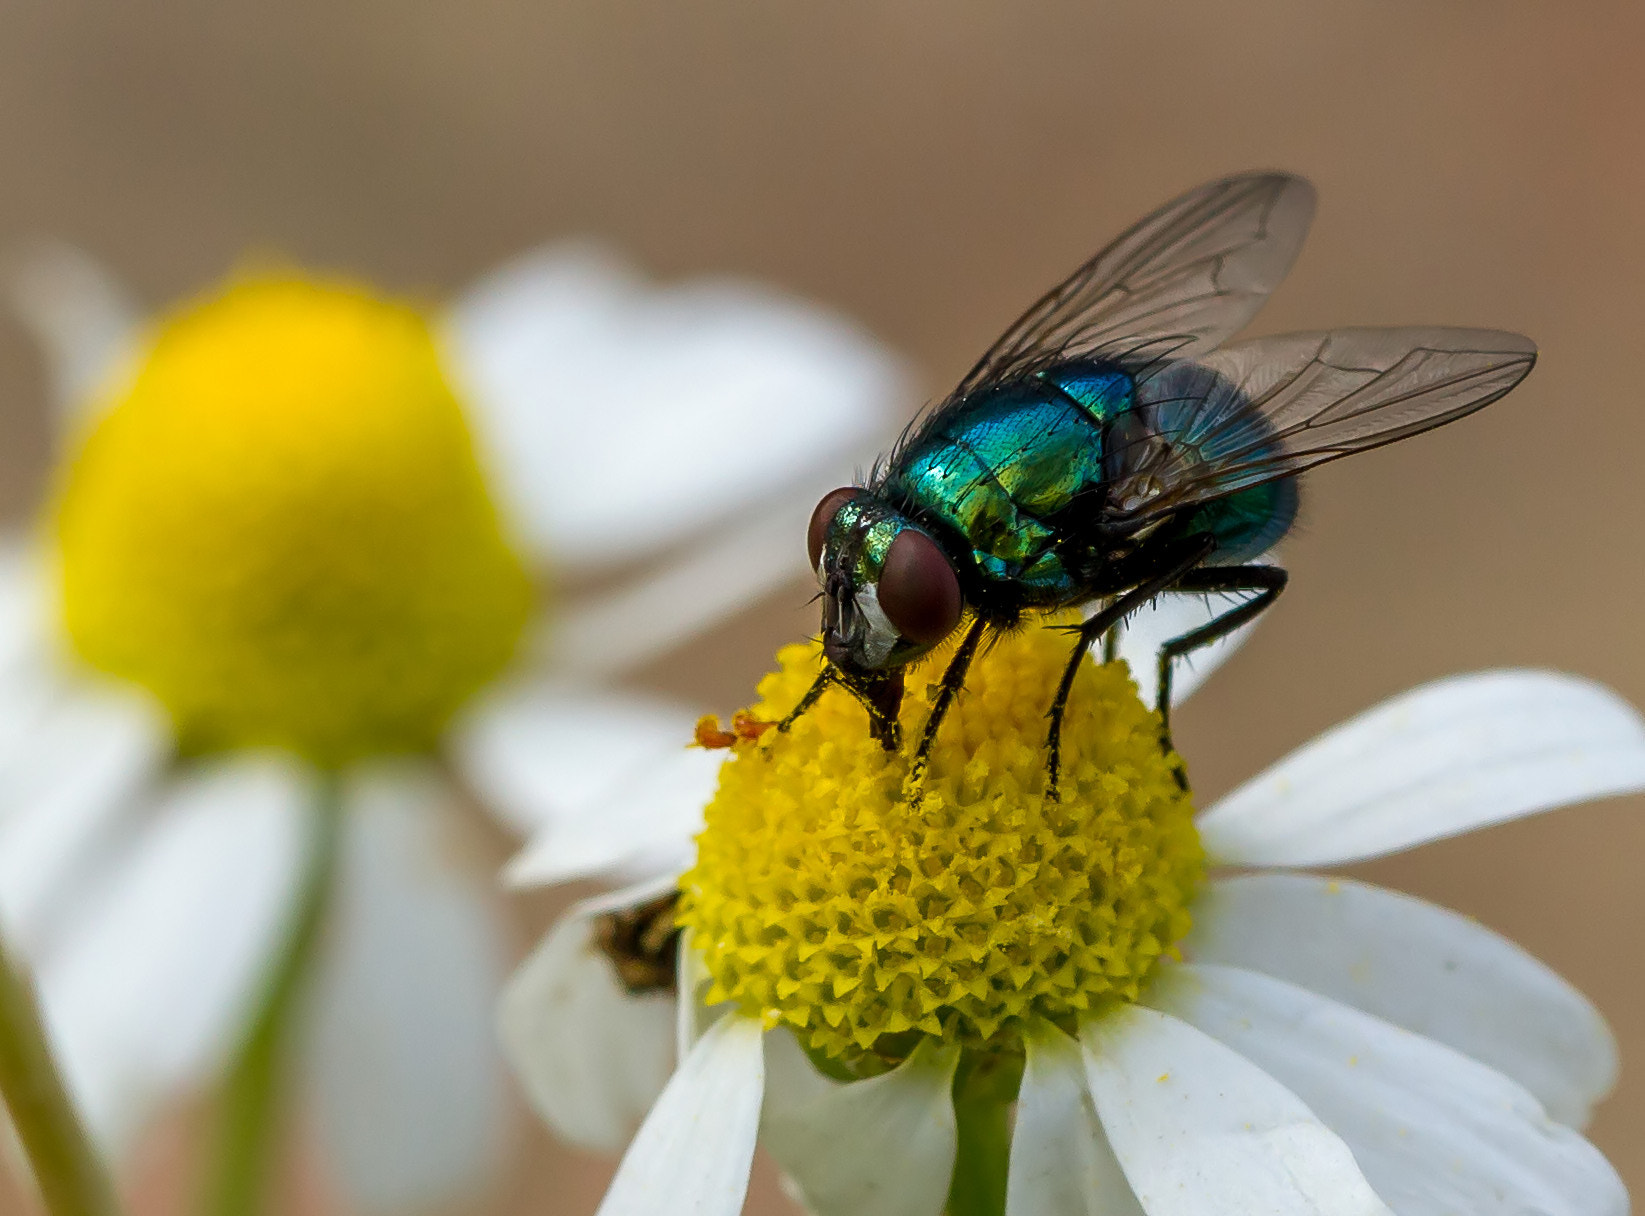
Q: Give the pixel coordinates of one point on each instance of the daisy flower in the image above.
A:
(1107, 1003)
(298, 601)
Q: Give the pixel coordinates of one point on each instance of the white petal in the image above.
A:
(693, 1153)
(1170, 616)
(1420, 967)
(1446, 758)
(1061, 1162)
(1201, 1131)
(84, 319)
(621, 416)
(1436, 1132)
(541, 753)
(590, 1057)
(639, 621)
(411, 1097)
(647, 826)
(25, 605)
(607, 783)
(151, 984)
(74, 758)
(692, 1015)
(792, 1081)
(836, 1146)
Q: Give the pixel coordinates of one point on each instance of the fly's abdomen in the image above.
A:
(1247, 523)
(1208, 421)
(1002, 469)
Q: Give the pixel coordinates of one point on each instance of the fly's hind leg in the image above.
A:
(1086, 636)
(1266, 581)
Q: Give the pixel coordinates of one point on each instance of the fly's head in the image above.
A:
(890, 593)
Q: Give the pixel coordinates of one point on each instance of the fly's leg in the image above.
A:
(825, 677)
(953, 679)
(1111, 645)
(881, 695)
(1266, 581)
(1086, 636)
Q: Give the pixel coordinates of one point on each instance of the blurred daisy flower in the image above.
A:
(1110, 1003)
(297, 603)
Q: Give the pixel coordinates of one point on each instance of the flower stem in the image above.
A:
(982, 1154)
(252, 1101)
(70, 1174)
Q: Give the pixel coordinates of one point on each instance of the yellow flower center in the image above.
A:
(280, 528)
(824, 900)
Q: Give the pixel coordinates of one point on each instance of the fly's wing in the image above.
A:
(1176, 284)
(1270, 408)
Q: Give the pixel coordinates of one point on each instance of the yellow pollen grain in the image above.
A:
(823, 900)
(280, 528)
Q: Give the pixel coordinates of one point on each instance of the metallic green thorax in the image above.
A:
(999, 468)
(1016, 474)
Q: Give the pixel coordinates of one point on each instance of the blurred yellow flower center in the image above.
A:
(280, 528)
(821, 899)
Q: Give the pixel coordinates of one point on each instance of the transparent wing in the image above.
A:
(1273, 407)
(1176, 284)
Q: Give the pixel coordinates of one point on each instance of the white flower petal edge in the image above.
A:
(705, 584)
(82, 317)
(409, 1087)
(150, 984)
(25, 603)
(74, 757)
(693, 1154)
(1435, 1131)
(1201, 1131)
(646, 826)
(692, 1016)
(590, 1057)
(621, 415)
(836, 1144)
(541, 752)
(1418, 966)
(1443, 759)
(1061, 1162)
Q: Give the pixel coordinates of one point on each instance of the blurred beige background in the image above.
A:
(930, 167)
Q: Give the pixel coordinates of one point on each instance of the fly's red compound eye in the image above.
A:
(918, 590)
(817, 533)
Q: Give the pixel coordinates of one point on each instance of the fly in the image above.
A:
(1108, 448)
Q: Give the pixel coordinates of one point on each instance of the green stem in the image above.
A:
(70, 1174)
(251, 1106)
(982, 1155)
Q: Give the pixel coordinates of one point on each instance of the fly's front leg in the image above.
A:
(1266, 581)
(881, 695)
(825, 677)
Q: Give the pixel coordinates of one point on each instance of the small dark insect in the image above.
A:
(643, 944)
(1104, 451)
